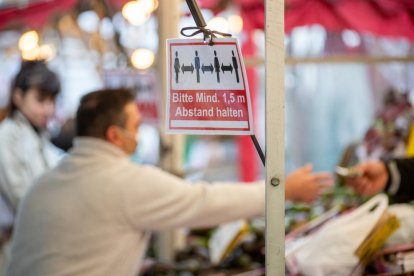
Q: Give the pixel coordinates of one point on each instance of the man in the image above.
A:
(394, 177)
(93, 213)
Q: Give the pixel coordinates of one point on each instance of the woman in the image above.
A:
(25, 151)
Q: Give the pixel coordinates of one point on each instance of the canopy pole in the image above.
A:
(275, 175)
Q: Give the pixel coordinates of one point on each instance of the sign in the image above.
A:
(145, 86)
(207, 91)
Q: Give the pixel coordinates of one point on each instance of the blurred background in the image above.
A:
(347, 64)
(349, 75)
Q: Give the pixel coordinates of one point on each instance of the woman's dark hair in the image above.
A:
(100, 109)
(34, 75)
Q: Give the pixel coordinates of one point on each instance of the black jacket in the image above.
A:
(400, 185)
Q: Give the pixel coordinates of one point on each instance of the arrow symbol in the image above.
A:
(227, 68)
(207, 68)
(189, 68)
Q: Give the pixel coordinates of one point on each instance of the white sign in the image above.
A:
(208, 92)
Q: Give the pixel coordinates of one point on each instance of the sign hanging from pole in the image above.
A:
(207, 90)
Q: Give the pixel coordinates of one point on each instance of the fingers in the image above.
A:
(365, 186)
(307, 168)
(355, 180)
(357, 183)
(309, 200)
(315, 185)
(323, 179)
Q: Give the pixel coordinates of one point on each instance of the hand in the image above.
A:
(373, 180)
(304, 186)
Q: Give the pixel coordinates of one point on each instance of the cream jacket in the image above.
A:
(93, 213)
(24, 155)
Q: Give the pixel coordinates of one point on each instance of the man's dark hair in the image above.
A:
(100, 109)
(34, 75)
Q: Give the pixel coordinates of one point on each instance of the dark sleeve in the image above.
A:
(400, 184)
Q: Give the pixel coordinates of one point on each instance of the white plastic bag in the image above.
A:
(330, 250)
(405, 233)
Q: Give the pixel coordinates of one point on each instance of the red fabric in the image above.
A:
(248, 157)
(253, 16)
(382, 17)
(34, 14)
(313, 12)
(119, 3)
(37, 13)
(394, 18)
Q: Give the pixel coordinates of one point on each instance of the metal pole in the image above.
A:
(195, 11)
(275, 179)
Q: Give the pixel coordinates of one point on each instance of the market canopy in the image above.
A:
(33, 14)
(36, 13)
(393, 18)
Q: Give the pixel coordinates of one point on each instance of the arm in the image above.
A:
(401, 176)
(166, 201)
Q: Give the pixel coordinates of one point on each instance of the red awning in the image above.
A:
(393, 18)
(33, 14)
(36, 13)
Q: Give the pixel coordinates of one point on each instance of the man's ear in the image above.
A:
(17, 97)
(112, 136)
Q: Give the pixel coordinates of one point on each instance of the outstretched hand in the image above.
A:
(373, 180)
(304, 186)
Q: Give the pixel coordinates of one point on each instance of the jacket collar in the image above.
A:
(19, 117)
(96, 146)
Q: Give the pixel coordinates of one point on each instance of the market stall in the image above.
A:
(346, 67)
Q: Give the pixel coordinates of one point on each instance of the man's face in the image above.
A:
(130, 131)
(36, 108)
